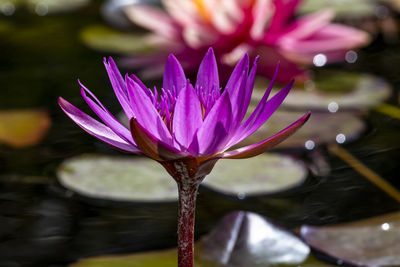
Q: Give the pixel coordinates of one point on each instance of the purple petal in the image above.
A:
(268, 109)
(261, 147)
(119, 86)
(244, 127)
(213, 134)
(95, 128)
(241, 66)
(249, 90)
(237, 99)
(174, 77)
(146, 114)
(236, 87)
(106, 116)
(150, 145)
(207, 77)
(187, 116)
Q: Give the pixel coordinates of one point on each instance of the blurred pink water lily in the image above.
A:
(257, 27)
(184, 127)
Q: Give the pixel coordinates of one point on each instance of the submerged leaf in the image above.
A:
(118, 178)
(321, 128)
(347, 91)
(22, 128)
(370, 242)
(247, 239)
(267, 173)
(106, 39)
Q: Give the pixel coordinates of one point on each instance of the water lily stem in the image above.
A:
(187, 189)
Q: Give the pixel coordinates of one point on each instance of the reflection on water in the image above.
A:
(43, 224)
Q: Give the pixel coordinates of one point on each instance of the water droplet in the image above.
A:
(385, 226)
(340, 138)
(333, 107)
(320, 60)
(310, 145)
(351, 56)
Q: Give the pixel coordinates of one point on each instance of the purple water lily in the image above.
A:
(186, 128)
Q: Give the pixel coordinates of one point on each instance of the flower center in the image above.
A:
(166, 100)
(201, 7)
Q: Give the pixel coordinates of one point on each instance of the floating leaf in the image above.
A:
(247, 239)
(42, 7)
(106, 39)
(321, 128)
(240, 239)
(342, 8)
(165, 258)
(21, 128)
(267, 173)
(118, 178)
(347, 91)
(370, 242)
(113, 11)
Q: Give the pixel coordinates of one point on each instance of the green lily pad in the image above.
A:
(106, 39)
(165, 258)
(321, 128)
(118, 178)
(42, 7)
(264, 174)
(342, 8)
(371, 242)
(240, 239)
(347, 91)
(248, 239)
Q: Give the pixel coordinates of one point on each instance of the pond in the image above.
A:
(42, 223)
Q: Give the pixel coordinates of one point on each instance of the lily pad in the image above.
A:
(371, 242)
(42, 7)
(321, 128)
(342, 8)
(106, 39)
(347, 91)
(240, 239)
(22, 128)
(247, 239)
(118, 178)
(113, 11)
(266, 173)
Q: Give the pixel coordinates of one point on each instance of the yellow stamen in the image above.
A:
(201, 7)
(365, 171)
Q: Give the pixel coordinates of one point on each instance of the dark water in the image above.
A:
(43, 224)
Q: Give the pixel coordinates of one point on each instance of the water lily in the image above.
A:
(186, 128)
(258, 27)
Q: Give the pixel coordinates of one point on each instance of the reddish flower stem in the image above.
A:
(187, 189)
